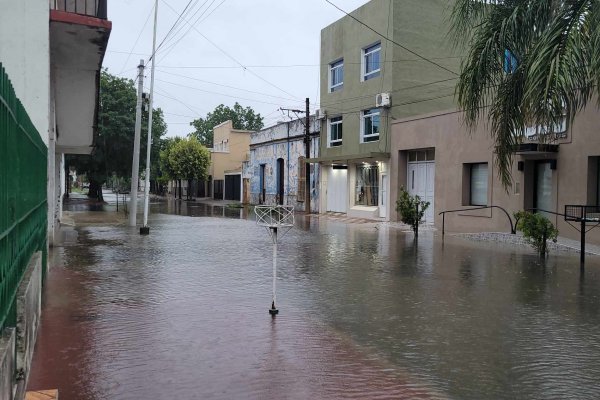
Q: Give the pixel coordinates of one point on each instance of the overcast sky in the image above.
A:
(277, 40)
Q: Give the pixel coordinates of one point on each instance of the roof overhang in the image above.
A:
(353, 158)
(535, 148)
(77, 47)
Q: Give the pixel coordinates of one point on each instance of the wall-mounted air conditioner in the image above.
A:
(383, 100)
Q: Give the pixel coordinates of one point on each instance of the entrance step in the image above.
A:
(42, 395)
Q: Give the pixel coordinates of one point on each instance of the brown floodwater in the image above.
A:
(365, 312)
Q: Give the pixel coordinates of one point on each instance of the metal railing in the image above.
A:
(92, 8)
(23, 207)
(443, 214)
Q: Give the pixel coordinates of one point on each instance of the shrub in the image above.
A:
(407, 207)
(536, 229)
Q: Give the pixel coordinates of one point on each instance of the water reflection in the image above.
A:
(366, 312)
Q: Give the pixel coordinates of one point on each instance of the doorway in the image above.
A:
(262, 185)
(542, 196)
(280, 180)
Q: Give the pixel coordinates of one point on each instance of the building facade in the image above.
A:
(367, 82)
(230, 150)
(433, 155)
(50, 61)
(276, 170)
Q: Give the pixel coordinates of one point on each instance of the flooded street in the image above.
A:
(365, 312)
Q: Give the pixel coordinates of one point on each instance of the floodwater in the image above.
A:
(365, 312)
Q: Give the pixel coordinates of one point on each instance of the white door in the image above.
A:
(383, 197)
(337, 190)
(421, 179)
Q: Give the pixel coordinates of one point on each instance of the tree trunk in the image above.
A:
(179, 188)
(189, 191)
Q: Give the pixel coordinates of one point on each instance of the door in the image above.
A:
(543, 188)
(280, 180)
(232, 187)
(421, 182)
(337, 189)
(262, 185)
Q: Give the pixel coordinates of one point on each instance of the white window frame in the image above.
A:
(364, 76)
(330, 142)
(363, 116)
(472, 166)
(339, 64)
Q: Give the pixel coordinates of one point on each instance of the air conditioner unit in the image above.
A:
(383, 100)
(320, 113)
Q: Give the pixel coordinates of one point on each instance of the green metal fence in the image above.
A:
(23, 209)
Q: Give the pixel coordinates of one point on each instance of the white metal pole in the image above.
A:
(274, 263)
(135, 166)
(149, 145)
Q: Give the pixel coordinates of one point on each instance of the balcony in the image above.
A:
(91, 8)
(79, 33)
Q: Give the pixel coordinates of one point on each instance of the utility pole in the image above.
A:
(145, 229)
(135, 167)
(307, 149)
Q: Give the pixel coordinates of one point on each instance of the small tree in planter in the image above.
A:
(536, 229)
(411, 209)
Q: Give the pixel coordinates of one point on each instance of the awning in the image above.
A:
(344, 159)
(535, 148)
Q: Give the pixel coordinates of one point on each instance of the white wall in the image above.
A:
(25, 54)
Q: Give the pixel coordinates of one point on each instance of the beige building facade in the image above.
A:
(434, 156)
(231, 148)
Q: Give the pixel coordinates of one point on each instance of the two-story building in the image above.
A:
(230, 149)
(386, 61)
(276, 170)
(51, 56)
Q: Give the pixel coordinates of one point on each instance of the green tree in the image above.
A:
(242, 118)
(112, 154)
(529, 63)
(411, 209)
(166, 171)
(536, 229)
(188, 159)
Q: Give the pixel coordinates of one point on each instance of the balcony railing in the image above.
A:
(92, 8)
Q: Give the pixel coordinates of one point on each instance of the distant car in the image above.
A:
(85, 185)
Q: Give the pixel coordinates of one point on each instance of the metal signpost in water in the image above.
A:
(278, 220)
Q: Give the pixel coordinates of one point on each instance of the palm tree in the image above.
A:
(529, 63)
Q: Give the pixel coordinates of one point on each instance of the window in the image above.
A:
(371, 62)
(367, 185)
(369, 130)
(478, 184)
(335, 131)
(336, 76)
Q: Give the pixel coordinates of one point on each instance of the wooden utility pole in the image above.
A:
(307, 150)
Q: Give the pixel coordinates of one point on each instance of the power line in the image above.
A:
(172, 27)
(230, 87)
(393, 41)
(233, 58)
(217, 93)
(298, 65)
(136, 41)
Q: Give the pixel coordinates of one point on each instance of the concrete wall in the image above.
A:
(25, 53)
(454, 148)
(7, 364)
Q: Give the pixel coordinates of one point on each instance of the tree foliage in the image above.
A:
(185, 159)
(242, 118)
(536, 229)
(554, 47)
(113, 151)
(411, 208)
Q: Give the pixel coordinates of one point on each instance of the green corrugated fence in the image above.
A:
(23, 209)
